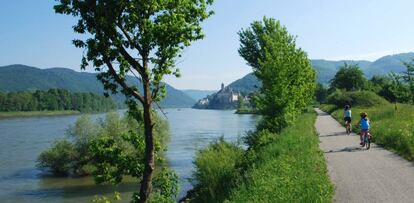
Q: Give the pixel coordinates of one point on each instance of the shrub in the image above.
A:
(359, 98)
(59, 158)
(214, 169)
(328, 107)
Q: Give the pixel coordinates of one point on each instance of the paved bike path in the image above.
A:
(361, 175)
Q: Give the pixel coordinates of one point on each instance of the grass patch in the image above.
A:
(392, 129)
(285, 167)
(290, 169)
(36, 113)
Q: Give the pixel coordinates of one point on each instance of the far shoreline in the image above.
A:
(19, 114)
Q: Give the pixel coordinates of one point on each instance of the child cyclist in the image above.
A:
(364, 124)
(348, 118)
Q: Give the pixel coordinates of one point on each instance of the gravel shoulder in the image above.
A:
(360, 175)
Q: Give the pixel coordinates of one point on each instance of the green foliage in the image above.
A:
(320, 93)
(291, 169)
(285, 167)
(214, 170)
(166, 186)
(140, 37)
(358, 98)
(350, 78)
(155, 31)
(105, 148)
(59, 158)
(408, 77)
(391, 126)
(260, 139)
(329, 108)
(54, 100)
(288, 80)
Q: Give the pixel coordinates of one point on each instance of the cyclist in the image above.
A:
(364, 124)
(348, 118)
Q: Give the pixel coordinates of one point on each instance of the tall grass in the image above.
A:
(391, 128)
(290, 169)
(285, 167)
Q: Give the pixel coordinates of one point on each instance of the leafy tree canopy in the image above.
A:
(288, 80)
(349, 77)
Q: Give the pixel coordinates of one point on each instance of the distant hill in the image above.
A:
(23, 78)
(198, 94)
(326, 70)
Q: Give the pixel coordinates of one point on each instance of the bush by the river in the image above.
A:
(75, 154)
(285, 167)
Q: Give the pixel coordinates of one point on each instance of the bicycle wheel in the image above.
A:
(367, 142)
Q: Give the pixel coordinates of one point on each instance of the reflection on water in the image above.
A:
(22, 140)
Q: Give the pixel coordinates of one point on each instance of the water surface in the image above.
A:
(23, 139)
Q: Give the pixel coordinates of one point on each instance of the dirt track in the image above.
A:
(361, 175)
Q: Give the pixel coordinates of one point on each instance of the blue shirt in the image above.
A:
(348, 113)
(364, 123)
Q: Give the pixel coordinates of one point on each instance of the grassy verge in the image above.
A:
(392, 129)
(246, 111)
(288, 167)
(36, 113)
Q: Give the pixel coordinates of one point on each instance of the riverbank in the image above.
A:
(285, 167)
(14, 114)
(246, 111)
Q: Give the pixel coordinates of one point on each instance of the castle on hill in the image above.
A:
(225, 98)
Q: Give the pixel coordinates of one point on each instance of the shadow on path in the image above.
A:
(334, 134)
(346, 149)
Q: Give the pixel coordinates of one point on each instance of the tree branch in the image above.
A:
(122, 82)
(130, 40)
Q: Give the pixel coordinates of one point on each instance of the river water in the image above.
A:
(23, 139)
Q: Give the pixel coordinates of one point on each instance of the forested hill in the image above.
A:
(25, 78)
(326, 70)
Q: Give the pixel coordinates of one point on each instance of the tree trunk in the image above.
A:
(146, 184)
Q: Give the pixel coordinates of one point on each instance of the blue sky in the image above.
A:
(32, 34)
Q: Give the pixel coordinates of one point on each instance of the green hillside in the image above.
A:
(25, 78)
(326, 70)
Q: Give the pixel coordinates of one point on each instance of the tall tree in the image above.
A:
(408, 77)
(137, 37)
(288, 80)
(349, 77)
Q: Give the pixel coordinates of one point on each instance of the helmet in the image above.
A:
(364, 114)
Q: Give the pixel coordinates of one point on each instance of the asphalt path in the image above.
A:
(361, 175)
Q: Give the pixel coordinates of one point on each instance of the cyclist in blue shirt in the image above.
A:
(365, 125)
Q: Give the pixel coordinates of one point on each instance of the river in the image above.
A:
(23, 139)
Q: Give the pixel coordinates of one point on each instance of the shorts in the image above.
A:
(348, 119)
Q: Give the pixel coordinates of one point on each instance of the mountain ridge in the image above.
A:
(19, 77)
(326, 70)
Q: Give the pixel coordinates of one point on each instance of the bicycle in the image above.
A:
(366, 140)
(348, 127)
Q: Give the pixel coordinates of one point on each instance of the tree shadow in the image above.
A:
(334, 134)
(346, 149)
